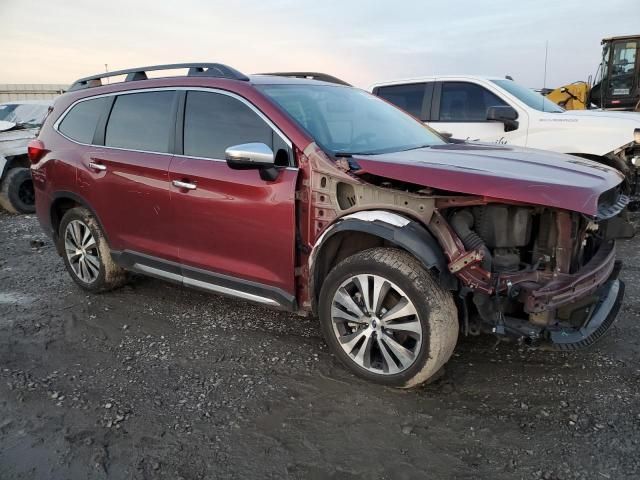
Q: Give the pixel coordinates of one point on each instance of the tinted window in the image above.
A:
(213, 122)
(466, 102)
(141, 121)
(80, 123)
(407, 97)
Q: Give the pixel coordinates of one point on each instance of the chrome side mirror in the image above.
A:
(249, 155)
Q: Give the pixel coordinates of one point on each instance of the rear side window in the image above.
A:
(81, 121)
(214, 122)
(407, 97)
(466, 102)
(141, 121)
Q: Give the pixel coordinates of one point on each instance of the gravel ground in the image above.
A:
(157, 381)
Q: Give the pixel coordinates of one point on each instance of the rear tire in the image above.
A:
(16, 191)
(86, 253)
(397, 330)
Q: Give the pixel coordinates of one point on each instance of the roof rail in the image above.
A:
(323, 77)
(217, 70)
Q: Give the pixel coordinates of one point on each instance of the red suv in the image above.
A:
(318, 197)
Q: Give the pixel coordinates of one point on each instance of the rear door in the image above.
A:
(125, 174)
(413, 98)
(236, 230)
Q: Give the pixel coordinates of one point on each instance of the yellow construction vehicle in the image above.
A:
(617, 81)
(574, 96)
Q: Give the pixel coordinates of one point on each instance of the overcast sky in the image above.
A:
(363, 42)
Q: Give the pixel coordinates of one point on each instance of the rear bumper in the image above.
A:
(567, 288)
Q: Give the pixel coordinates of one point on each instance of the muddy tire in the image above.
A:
(16, 191)
(386, 318)
(86, 253)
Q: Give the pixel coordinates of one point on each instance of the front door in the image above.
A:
(460, 109)
(235, 229)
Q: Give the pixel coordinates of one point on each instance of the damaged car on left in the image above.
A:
(20, 122)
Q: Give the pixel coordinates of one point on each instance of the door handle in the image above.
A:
(185, 185)
(97, 166)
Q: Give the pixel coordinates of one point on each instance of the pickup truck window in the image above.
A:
(346, 121)
(466, 102)
(408, 97)
(528, 96)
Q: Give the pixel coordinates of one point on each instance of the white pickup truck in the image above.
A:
(498, 110)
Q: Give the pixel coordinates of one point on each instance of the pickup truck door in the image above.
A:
(460, 108)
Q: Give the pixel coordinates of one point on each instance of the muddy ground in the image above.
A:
(157, 381)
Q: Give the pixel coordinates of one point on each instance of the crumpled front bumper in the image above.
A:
(603, 315)
(567, 288)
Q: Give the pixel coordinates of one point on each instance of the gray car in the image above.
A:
(20, 121)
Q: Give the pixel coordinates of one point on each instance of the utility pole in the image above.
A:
(546, 57)
(106, 70)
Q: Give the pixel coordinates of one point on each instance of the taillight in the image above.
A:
(35, 150)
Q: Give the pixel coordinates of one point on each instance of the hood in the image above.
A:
(518, 174)
(594, 132)
(633, 117)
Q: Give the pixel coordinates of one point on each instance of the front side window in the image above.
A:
(466, 102)
(407, 97)
(141, 121)
(528, 97)
(81, 121)
(345, 120)
(214, 122)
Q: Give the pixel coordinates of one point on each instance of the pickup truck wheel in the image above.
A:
(86, 253)
(16, 191)
(385, 317)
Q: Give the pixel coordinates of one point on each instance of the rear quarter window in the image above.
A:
(81, 121)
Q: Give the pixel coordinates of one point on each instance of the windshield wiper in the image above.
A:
(416, 148)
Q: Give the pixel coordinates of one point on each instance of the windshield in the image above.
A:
(26, 114)
(529, 97)
(345, 121)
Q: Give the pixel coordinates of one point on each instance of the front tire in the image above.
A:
(385, 317)
(86, 253)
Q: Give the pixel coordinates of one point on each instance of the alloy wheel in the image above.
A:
(376, 324)
(82, 251)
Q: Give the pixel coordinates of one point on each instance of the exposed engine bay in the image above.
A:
(525, 249)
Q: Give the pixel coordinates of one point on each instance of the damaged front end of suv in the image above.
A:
(525, 238)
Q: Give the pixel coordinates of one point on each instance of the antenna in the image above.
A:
(544, 81)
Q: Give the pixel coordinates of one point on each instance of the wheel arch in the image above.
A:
(13, 161)
(63, 201)
(374, 228)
